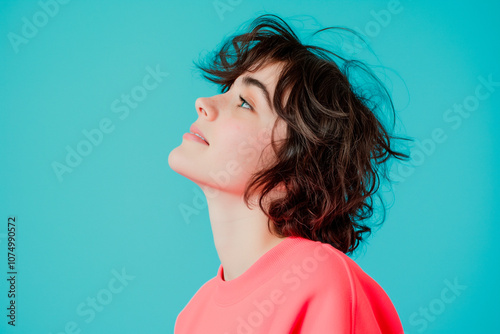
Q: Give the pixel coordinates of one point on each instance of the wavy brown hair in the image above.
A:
(336, 147)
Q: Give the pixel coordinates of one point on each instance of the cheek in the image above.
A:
(231, 128)
(230, 135)
(242, 145)
(232, 138)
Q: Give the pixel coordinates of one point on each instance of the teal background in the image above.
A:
(119, 209)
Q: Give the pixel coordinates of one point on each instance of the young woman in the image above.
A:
(288, 156)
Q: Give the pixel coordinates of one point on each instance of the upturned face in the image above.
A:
(236, 129)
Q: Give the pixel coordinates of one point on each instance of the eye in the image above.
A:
(243, 101)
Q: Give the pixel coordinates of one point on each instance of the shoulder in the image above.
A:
(320, 280)
(336, 269)
(319, 268)
(335, 287)
(324, 261)
(326, 270)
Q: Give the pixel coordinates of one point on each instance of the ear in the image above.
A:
(280, 188)
(278, 192)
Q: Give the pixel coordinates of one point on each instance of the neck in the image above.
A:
(241, 235)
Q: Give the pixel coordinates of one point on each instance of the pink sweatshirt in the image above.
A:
(299, 286)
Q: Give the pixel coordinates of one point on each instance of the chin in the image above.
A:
(180, 164)
(176, 160)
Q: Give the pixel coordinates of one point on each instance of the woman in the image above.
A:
(288, 156)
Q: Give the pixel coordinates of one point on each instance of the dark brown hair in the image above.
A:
(336, 147)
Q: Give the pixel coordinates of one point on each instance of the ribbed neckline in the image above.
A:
(265, 268)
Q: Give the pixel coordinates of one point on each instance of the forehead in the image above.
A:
(268, 74)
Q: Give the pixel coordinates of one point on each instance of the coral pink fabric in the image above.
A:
(299, 286)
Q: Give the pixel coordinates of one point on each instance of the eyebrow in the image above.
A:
(250, 81)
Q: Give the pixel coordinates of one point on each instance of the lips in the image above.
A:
(194, 130)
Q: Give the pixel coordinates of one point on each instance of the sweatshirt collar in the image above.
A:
(265, 268)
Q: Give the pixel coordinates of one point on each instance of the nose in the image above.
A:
(205, 108)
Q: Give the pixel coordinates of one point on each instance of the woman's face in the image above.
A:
(236, 131)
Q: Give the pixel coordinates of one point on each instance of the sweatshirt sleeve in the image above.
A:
(344, 299)
(331, 303)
